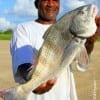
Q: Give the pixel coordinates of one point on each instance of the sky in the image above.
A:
(13, 12)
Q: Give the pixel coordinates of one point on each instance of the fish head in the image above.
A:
(83, 23)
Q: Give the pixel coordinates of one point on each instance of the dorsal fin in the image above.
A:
(47, 32)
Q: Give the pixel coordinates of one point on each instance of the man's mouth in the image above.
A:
(51, 9)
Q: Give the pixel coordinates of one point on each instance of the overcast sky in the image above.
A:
(13, 12)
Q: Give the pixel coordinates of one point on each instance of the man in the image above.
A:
(26, 41)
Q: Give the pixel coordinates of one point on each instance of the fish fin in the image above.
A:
(46, 34)
(8, 93)
(2, 93)
(49, 30)
(82, 59)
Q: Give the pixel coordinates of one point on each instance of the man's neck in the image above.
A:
(45, 21)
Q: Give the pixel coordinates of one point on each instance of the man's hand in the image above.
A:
(45, 87)
(98, 25)
(91, 40)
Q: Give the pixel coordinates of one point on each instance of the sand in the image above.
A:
(87, 83)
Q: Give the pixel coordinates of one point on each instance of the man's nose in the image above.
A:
(50, 2)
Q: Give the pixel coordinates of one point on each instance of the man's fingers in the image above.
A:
(51, 82)
(45, 87)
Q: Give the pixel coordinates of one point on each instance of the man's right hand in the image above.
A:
(45, 87)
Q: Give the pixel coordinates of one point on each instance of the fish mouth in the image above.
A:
(94, 10)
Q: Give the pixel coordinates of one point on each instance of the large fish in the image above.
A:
(62, 42)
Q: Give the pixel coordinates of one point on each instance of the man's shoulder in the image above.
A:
(26, 23)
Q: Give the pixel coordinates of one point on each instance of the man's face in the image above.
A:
(48, 9)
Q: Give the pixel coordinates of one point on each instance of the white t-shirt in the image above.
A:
(26, 41)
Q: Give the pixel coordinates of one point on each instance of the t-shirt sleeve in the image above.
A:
(21, 48)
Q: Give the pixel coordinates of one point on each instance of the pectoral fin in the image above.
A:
(82, 59)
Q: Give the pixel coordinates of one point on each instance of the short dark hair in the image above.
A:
(36, 3)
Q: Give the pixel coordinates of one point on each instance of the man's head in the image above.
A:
(47, 9)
